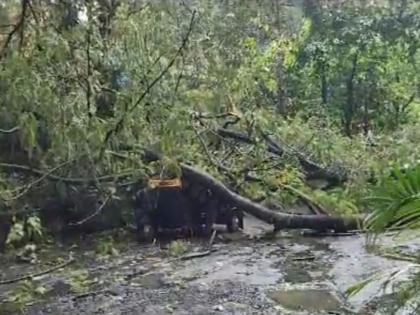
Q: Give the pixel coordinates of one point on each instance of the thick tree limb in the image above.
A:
(279, 220)
(312, 170)
(6, 220)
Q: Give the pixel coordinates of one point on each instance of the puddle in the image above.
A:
(296, 274)
(311, 300)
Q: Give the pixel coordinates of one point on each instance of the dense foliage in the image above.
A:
(336, 81)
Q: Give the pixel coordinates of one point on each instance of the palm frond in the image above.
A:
(396, 202)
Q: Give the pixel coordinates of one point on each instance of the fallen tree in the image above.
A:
(277, 219)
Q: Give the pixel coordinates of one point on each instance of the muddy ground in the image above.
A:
(250, 272)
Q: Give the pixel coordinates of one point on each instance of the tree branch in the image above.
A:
(312, 169)
(12, 130)
(94, 214)
(17, 28)
(220, 166)
(32, 184)
(37, 274)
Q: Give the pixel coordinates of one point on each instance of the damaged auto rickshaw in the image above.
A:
(174, 204)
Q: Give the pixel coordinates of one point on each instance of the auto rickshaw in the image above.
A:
(165, 205)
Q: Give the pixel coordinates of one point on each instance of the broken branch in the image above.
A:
(32, 184)
(37, 274)
(94, 214)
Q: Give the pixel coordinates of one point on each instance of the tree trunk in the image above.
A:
(324, 84)
(349, 106)
(282, 102)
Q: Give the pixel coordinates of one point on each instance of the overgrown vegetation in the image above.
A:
(85, 86)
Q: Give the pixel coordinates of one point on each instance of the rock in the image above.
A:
(117, 289)
(152, 281)
(219, 308)
(201, 287)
